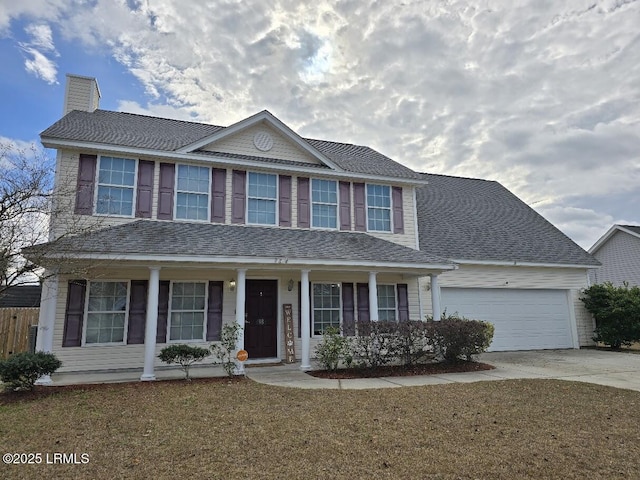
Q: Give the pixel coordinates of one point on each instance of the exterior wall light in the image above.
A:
(232, 285)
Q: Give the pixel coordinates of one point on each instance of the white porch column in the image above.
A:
(46, 319)
(305, 321)
(435, 297)
(373, 297)
(151, 325)
(241, 295)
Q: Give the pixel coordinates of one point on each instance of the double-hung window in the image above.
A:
(262, 194)
(116, 182)
(379, 207)
(326, 307)
(387, 303)
(188, 300)
(324, 203)
(192, 193)
(106, 312)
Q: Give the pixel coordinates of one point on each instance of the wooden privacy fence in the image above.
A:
(15, 329)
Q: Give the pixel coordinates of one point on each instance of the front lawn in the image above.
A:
(200, 429)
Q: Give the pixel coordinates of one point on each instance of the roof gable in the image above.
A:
(261, 135)
(633, 230)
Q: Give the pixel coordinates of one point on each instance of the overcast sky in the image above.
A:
(542, 96)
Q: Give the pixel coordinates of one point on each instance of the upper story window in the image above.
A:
(324, 201)
(116, 181)
(192, 193)
(379, 208)
(106, 312)
(262, 194)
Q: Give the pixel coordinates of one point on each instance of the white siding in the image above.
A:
(470, 276)
(242, 143)
(620, 258)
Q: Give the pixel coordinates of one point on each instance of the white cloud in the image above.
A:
(37, 49)
(543, 96)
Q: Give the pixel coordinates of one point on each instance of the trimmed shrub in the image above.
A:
(375, 344)
(456, 338)
(616, 311)
(332, 348)
(411, 343)
(223, 350)
(20, 371)
(184, 355)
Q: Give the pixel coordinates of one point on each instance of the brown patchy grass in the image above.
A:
(488, 430)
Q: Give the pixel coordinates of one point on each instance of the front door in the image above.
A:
(261, 319)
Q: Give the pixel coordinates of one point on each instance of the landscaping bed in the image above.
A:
(402, 370)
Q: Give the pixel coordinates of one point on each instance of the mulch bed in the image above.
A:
(402, 371)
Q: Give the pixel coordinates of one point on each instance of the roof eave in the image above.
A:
(518, 263)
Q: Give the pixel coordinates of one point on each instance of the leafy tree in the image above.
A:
(184, 355)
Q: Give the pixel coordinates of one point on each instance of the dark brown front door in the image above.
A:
(261, 321)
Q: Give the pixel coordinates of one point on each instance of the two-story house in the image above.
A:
(201, 225)
(193, 226)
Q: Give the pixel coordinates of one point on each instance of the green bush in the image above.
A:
(20, 371)
(456, 338)
(616, 311)
(332, 348)
(184, 355)
(223, 351)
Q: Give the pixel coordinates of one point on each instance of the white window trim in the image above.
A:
(276, 200)
(85, 318)
(395, 299)
(312, 306)
(337, 204)
(366, 201)
(175, 194)
(170, 311)
(97, 187)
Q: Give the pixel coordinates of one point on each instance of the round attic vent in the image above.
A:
(263, 141)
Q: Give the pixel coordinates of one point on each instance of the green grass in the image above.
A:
(505, 429)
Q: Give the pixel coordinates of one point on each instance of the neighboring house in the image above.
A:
(202, 225)
(515, 268)
(619, 252)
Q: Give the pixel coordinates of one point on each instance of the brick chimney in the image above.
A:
(81, 93)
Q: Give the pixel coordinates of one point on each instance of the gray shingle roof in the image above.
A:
(139, 131)
(471, 219)
(633, 228)
(227, 241)
(23, 296)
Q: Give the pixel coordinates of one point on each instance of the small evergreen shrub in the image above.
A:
(223, 351)
(184, 355)
(456, 338)
(333, 348)
(616, 311)
(20, 371)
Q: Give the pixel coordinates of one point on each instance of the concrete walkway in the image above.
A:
(621, 370)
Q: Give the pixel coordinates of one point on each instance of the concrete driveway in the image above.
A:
(613, 369)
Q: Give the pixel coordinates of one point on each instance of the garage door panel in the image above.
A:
(523, 319)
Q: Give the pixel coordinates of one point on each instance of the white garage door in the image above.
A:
(523, 319)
